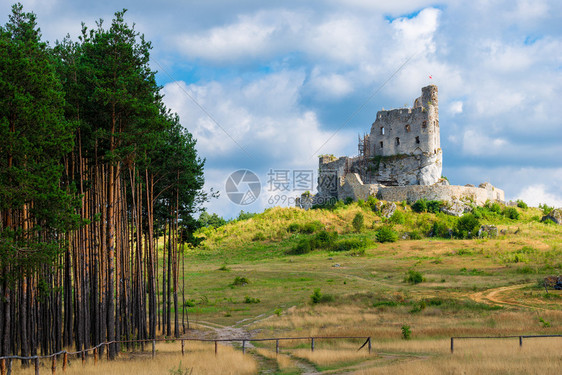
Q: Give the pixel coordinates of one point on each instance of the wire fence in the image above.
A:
(521, 337)
(6, 361)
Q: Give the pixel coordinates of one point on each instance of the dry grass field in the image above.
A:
(409, 296)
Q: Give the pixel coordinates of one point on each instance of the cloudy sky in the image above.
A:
(270, 85)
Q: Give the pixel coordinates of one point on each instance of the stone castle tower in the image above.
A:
(400, 159)
(409, 130)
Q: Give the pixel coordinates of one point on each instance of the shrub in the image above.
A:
(323, 240)
(251, 300)
(348, 200)
(386, 234)
(545, 208)
(372, 202)
(511, 213)
(240, 281)
(311, 227)
(302, 247)
(293, 227)
(522, 204)
(414, 277)
(406, 332)
(245, 215)
(434, 206)
(358, 222)
(495, 207)
(440, 229)
(415, 235)
(259, 237)
(467, 226)
(397, 218)
(318, 297)
(347, 244)
(420, 206)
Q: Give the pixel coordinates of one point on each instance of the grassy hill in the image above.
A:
(251, 274)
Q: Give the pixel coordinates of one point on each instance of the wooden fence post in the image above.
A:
(452, 345)
(216, 348)
(520, 341)
(369, 345)
(95, 356)
(83, 357)
(10, 366)
(153, 348)
(64, 361)
(36, 365)
(243, 346)
(276, 346)
(54, 365)
(182, 349)
(312, 344)
(3, 366)
(107, 351)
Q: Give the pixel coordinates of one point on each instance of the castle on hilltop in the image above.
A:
(399, 160)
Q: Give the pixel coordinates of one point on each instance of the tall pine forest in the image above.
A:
(98, 182)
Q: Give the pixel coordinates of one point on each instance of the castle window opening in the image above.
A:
(417, 139)
(407, 128)
(397, 141)
(382, 130)
(424, 124)
(381, 144)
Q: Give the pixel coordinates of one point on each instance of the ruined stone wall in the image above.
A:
(408, 130)
(478, 195)
(355, 189)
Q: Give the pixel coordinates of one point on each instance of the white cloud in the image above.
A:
(537, 194)
(455, 107)
(479, 144)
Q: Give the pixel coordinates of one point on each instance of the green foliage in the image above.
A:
(240, 281)
(522, 204)
(406, 332)
(372, 202)
(348, 201)
(397, 218)
(414, 277)
(311, 227)
(259, 237)
(434, 206)
(319, 297)
(245, 215)
(467, 226)
(347, 244)
(251, 300)
(415, 235)
(293, 227)
(224, 268)
(386, 234)
(544, 323)
(545, 208)
(419, 206)
(210, 220)
(511, 213)
(358, 222)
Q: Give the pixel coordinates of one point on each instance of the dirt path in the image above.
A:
(492, 297)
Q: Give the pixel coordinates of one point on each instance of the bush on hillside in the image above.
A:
(358, 222)
(347, 244)
(386, 234)
(467, 226)
(397, 218)
(419, 206)
(511, 213)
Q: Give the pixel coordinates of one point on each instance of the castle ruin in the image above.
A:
(399, 160)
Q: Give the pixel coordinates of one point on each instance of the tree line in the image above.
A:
(98, 183)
